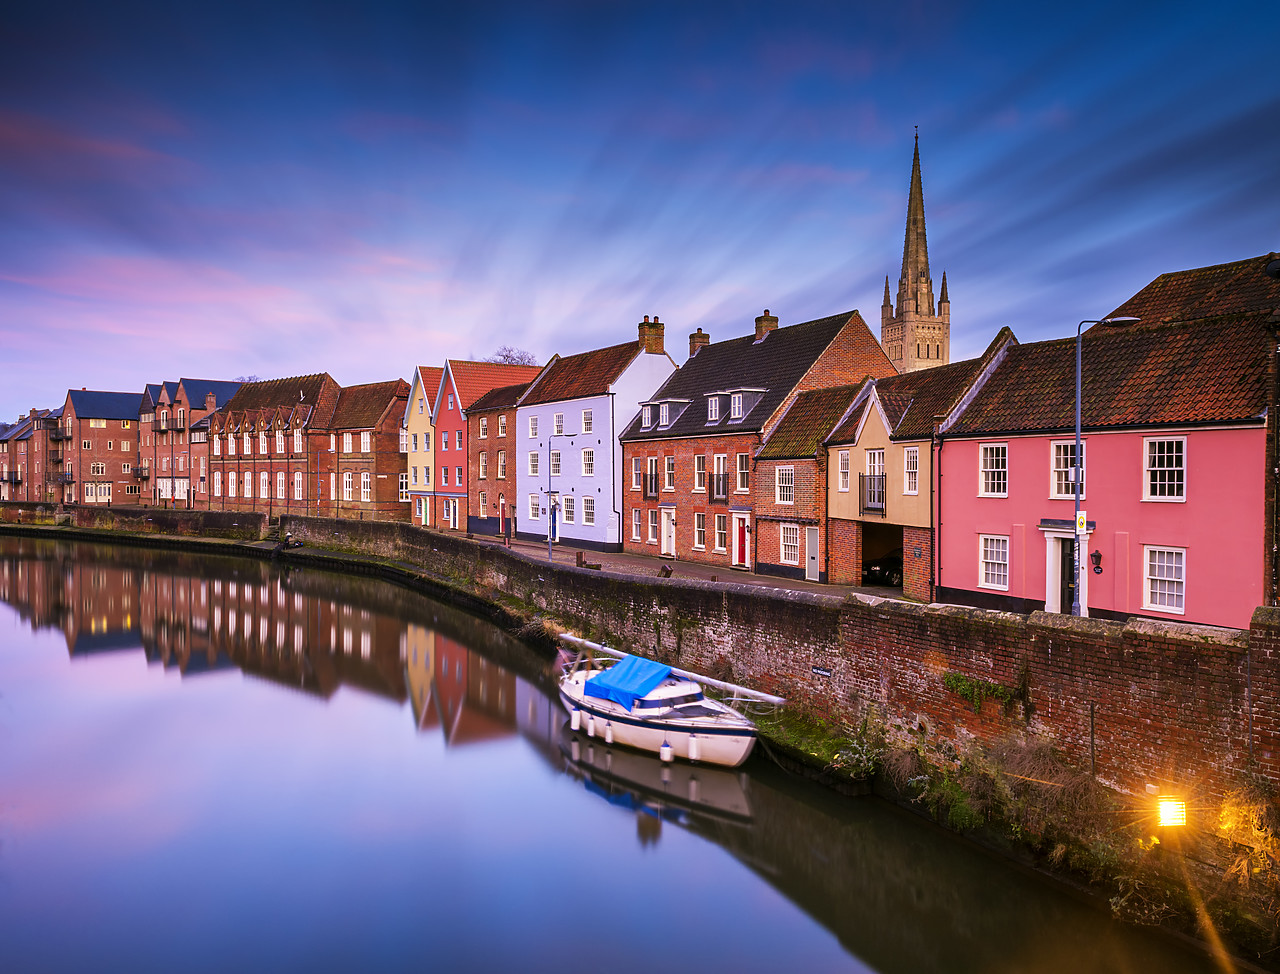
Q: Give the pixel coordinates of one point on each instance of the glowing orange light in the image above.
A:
(1173, 811)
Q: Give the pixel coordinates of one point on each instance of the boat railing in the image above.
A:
(738, 694)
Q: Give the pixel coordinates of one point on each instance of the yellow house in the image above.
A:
(880, 471)
(420, 433)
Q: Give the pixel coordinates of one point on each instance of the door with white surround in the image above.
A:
(811, 569)
(668, 532)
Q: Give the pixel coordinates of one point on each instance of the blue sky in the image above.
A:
(221, 189)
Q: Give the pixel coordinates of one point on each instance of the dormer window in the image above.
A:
(646, 417)
(664, 414)
(713, 409)
(735, 406)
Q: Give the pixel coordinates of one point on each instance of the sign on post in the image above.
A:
(1082, 522)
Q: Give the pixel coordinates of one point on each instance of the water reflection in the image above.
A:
(895, 893)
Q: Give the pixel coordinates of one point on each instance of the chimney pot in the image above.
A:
(646, 317)
(696, 340)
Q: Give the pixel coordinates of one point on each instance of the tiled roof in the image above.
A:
(1223, 289)
(581, 375)
(197, 389)
(1208, 370)
(775, 365)
(807, 422)
(105, 405)
(429, 379)
(285, 394)
(360, 407)
(501, 398)
(474, 379)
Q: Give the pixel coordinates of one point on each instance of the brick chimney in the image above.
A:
(210, 402)
(698, 339)
(651, 335)
(765, 324)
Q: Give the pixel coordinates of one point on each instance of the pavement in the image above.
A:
(626, 563)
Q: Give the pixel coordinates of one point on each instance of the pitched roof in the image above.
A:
(775, 364)
(1222, 289)
(360, 407)
(1208, 370)
(501, 398)
(105, 405)
(581, 375)
(911, 400)
(429, 379)
(807, 422)
(272, 393)
(474, 379)
(197, 389)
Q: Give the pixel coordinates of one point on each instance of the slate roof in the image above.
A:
(911, 400)
(581, 375)
(501, 398)
(1212, 370)
(807, 422)
(474, 379)
(197, 389)
(775, 365)
(105, 405)
(1223, 289)
(360, 407)
(274, 393)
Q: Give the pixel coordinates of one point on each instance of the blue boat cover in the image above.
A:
(627, 680)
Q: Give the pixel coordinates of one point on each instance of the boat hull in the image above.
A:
(725, 746)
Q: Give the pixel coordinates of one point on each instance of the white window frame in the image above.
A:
(297, 485)
(217, 483)
(502, 464)
(669, 473)
(646, 417)
(984, 470)
(346, 486)
(264, 485)
(744, 473)
(1147, 442)
(653, 526)
(554, 460)
(664, 414)
(1068, 448)
(721, 538)
(700, 474)
(789, 546)
(637, 523)
(484, 427)
(297, 441)
(557, 424)
(535, 507)
(279, 441)
(1148, 603)
(484, 504)
(366, 493)
(784, 486)
(502, 425)
(366, 442)
(567, 508)
(533, 463)
(533, 427)
(346, 443)
(637, 473)
(484, 465)
(735, 405)
(999, 544)
(589, 511)
(262, 442)
(280, 485)
(231, 483)
(588, 463)
(700, 530)
(713, 409)
(842, 466)
(588, 421)
(911, 470)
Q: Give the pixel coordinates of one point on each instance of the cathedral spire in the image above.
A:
(915, 289)
(942, 298)
(888, 302)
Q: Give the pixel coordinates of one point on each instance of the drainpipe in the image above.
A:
(935, 510)
(616, 487)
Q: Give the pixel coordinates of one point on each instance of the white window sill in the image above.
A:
(1164, 500)
(980, 494)
(1164, 609)
(993, 588)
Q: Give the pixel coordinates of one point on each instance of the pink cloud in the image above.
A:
(43, 147)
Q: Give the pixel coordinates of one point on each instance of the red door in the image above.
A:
(742, 541)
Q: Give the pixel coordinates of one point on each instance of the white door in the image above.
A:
(668, 532)
(811, 571)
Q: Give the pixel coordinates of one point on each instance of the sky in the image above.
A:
(223, 189)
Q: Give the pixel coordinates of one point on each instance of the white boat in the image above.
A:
(644, 704)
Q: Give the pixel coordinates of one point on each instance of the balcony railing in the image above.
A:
(55, 456)
(64, 478)
(141, 473)
(719, 486)
(60, 433)
(651, 486)
(11, 477)
(871, 493)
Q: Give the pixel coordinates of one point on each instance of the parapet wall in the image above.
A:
(1141, 703)
(242, 525)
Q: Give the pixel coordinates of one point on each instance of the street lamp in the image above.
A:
(1075, 464)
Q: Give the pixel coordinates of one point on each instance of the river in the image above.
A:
(216, 764)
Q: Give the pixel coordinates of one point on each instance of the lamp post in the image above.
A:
(1076, 467)
(552, 528)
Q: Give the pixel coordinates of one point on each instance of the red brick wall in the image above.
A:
(809, 510)
(844, 558)
(917, 569)
(82, 458)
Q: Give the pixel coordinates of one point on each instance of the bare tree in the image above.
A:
(510, 355)
(248, 378)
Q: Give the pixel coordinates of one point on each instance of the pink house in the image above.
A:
(1176, 447)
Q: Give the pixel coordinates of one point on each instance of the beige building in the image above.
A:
(419, 440)
(917, 335)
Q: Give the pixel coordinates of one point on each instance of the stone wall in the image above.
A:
(241, 525)
(1143, 702)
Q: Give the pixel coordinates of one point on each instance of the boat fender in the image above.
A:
(695, 748)
(591, 725)
(575, 719)
(608, 732)
(665, 752)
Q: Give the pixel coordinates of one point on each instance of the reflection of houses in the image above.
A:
(476, 698)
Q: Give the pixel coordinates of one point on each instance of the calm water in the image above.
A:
(213, 765)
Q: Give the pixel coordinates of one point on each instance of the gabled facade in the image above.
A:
(1178, 459)
(99, 431)
(173, 446)
(569, 465)
(369, 468)
(273, 448)
(791, 486)
(420, 435)
(689, 455)
(491, 441)
(880, 471)
(461, 385)
(31, 459)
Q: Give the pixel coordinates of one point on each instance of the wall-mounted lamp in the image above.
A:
(1172, 812)
(1096, 558)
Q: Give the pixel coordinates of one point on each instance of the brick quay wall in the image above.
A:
(1142, 702)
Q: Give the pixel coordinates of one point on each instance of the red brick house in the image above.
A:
(30, 459)
(99, 433)
(791, 486)
(491, 460)
(272, 447)
(369, 474)
(173, 444)
(689, 455)
(461, 386)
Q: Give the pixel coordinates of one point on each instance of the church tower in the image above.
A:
(916, 337)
